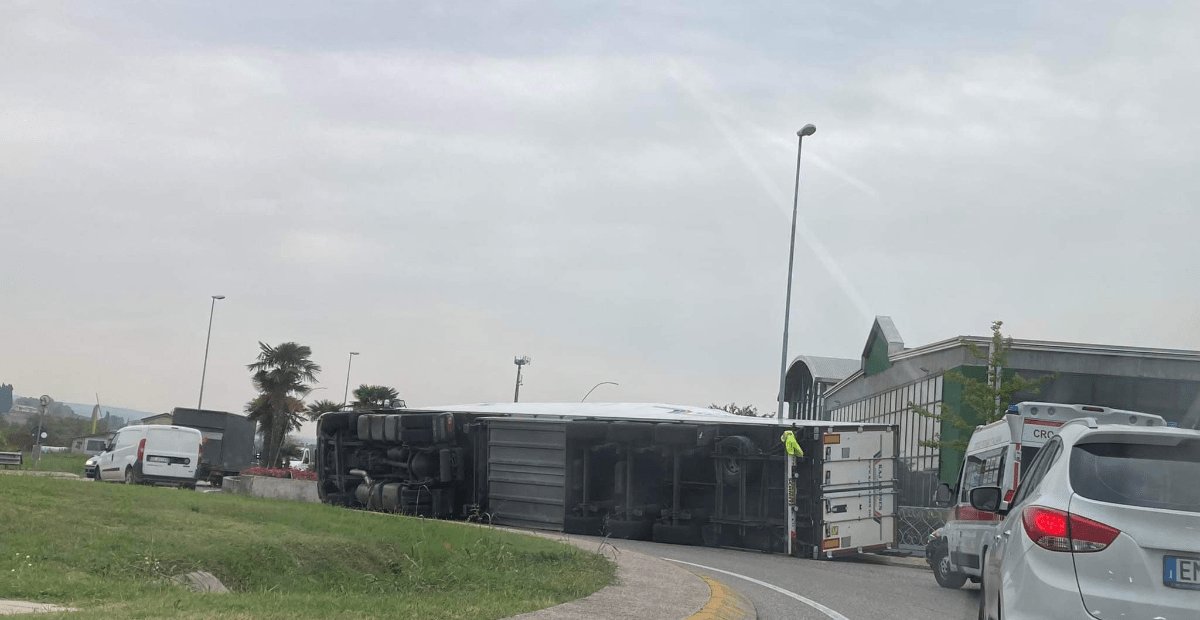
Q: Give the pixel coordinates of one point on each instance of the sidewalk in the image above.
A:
(21, 607)
(647, 588)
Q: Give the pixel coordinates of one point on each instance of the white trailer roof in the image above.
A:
(644, 412)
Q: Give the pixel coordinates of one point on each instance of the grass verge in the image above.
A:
(55, 461)
(108, 550)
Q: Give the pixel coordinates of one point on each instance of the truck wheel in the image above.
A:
(676, 434)
(416, 435)
(677, 534)
(630, 432)
(942, 572)
(729, 465)
(131, 476)
(416, 420)
(587, 430)
(584, 526)
(631, 530)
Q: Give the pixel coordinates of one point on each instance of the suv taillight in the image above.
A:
(200, 456)
(1061, 531)
(141, 449)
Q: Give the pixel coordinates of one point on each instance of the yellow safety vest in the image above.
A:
(789, 441)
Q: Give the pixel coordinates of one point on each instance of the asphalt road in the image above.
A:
(856, 590)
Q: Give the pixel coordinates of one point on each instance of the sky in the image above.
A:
(603, 187)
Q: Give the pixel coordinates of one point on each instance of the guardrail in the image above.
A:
(9, 459)
(916, 523)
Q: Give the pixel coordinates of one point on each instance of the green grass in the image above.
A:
(107, 549)
(56, 461)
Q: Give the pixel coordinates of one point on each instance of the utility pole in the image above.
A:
(807, 130)
(207, 340)
(37, 439)
(349, 363)
(519, 361)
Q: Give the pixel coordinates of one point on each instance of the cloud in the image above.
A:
(607, 192)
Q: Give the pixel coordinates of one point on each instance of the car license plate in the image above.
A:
(158, 459)
(1181, 572)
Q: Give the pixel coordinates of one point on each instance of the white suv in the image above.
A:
(1105, 524)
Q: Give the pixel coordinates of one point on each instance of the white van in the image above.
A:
(994, 456)
(153, 454)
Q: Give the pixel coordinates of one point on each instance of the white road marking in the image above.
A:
(807, 601)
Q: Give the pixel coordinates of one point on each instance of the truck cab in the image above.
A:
(993, 458)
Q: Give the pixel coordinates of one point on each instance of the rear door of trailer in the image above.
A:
(851, 477)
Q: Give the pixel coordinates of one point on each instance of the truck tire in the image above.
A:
(416, 420)
(583, 526)
(364, 427)
(630, 432)
(631, 530)
(377, 427)
(416, 435)
(587, 430)
(332, 422)
(677, 534)
(132, 477)
(942, 572)
(676, 434)
(729, 466)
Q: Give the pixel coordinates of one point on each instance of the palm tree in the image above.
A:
(374, 396)
(315, 409)
(282, 375)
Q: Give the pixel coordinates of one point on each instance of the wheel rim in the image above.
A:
(731, 467)
(944, 564)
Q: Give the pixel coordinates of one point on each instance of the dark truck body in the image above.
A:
(228, 441)
(677, 475)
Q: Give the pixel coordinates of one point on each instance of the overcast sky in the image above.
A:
(605, 188)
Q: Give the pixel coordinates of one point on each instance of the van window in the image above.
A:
(982, 470)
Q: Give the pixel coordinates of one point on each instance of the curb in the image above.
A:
(725, 603)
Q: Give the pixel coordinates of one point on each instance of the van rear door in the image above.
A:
(171, 452)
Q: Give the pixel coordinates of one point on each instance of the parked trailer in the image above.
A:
(228, 441)
(671, 474)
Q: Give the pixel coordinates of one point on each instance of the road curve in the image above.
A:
(790, 588)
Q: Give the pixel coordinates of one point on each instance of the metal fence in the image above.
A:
(917, 523)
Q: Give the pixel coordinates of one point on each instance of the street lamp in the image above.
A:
(207, 340)
(519, 361)
(807, 130)
(594, 389)
(346, 396)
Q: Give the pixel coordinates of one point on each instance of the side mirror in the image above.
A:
(986, 499)
(943, 497)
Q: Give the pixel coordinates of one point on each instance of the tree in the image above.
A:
(749, 410)
(374, 396)
(282, 375)
(984, 402)
(315, 409)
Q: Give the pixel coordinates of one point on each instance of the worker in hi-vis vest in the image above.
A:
(789, 441)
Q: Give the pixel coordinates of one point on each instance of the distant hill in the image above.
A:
(130, 415)
(85, 411)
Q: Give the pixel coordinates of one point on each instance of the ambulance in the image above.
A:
(994, 456)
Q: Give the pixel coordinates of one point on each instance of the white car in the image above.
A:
(1105, 524)
(153, 454)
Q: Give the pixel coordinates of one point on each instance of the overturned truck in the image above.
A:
(667, 473)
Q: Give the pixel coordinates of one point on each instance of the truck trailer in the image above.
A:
(228, 441)
(667, 473)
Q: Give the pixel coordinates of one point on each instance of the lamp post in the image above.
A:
(207, 340)
(594, 389)
(807, 130)
(346, 396)
(519, 361)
